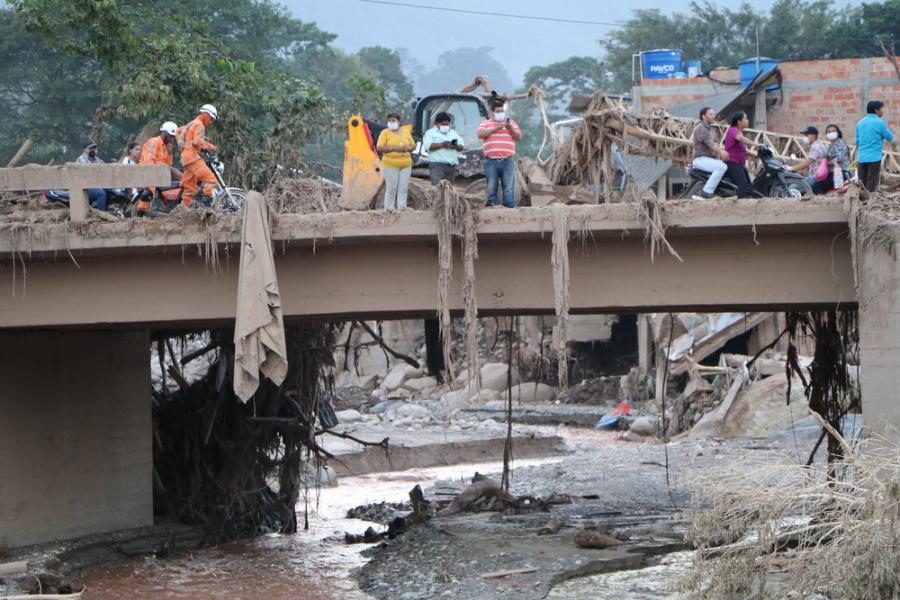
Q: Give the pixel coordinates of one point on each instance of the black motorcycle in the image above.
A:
(772, 181)
(117, 200)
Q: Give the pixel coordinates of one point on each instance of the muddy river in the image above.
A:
(312, 565)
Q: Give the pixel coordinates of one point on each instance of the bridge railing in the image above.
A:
(78, 178)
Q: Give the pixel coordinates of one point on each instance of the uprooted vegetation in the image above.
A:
(835, 536)
(235, 468)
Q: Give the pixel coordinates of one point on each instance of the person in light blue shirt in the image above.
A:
(871, 133)
(443, 145)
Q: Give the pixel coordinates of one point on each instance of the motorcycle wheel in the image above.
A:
(694, 189)
(794, 189)
(234, 200)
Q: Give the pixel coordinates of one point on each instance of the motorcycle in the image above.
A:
(772, 180)
(117, 200)
(164, 199)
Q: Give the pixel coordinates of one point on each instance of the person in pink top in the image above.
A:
(736, 147)
(499, 135)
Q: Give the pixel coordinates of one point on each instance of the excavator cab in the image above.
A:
(466, 112)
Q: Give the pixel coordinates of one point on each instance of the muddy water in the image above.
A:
(312, 565)
(651, 583)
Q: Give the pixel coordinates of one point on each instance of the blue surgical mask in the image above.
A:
(500, 116)
(444, 129)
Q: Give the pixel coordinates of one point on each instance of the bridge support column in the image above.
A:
(879, 336)
(75, 434)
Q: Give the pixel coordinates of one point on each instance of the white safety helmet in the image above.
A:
(210, 110)
(169, 127)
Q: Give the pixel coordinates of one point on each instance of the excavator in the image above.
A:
(362, 166)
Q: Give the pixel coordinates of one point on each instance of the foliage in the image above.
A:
(560, 80)
(41, 90)
(387, 67)
(157, 69)
(721, 36)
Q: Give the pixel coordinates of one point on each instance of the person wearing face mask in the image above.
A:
(838, 156)
(396, 145)
(96, 196)
(817, 151)
(443, 145)
(499, 134)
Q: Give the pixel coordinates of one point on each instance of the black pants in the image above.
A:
(740, 177)
(439, 172)
(434, 349)
(869, 174)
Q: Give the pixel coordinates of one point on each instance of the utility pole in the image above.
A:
(757, 47)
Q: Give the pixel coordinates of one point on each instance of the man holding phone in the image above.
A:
(499, 134)
(443, 145)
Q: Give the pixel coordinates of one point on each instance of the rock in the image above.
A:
(532, 392)
(420, 383)
(494, 376)
(484, 397)
(455, 400)
(760, 409)
(348, 416)
(413, 411)
(589, 538)
(644, 426)
(382, 407)
(630, 436)
(398, 375)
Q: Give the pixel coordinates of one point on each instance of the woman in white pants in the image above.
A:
(396, 145)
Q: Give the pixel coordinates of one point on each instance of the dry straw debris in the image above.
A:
(834, 536)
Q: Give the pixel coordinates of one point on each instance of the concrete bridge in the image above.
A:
(74, 335)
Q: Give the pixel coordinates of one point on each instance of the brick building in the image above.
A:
(812, 92)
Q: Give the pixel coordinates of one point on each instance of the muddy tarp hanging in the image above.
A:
(259, 343)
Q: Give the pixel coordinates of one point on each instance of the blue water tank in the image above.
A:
(692, 68)
(660, 64)
(748, 71)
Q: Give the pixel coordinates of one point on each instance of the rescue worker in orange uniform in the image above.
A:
(192, 141)
(158, 151)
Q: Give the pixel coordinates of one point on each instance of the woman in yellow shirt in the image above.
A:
(396, 145)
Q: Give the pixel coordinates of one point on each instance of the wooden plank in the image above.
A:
(507, 572)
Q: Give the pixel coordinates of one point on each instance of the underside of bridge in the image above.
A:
(81, 301)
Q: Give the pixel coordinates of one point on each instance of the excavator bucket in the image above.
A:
(362, 167)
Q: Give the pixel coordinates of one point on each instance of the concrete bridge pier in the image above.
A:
(879, 333)
(76, 453)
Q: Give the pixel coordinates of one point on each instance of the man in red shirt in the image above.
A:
(499, 135)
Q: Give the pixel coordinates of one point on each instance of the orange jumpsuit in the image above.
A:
(155, 152)
(192, 140)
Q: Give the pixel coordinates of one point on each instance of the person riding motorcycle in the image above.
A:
(158, 151)
(192, 141)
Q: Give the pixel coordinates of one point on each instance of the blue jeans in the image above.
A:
(501, 171)
(97, 198)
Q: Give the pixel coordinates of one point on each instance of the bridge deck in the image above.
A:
(738, 255)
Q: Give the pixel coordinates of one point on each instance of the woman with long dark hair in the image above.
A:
(736, 147)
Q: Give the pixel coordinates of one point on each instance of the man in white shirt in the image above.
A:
(443, 145)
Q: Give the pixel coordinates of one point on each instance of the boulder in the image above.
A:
(484, 397)
(531, 392)
(644, 426)
(413, 411)
(630, 436)
(348, 416)
(760, 409)
(398, 375)
(494, 376)
(455, 400)
(420, 383)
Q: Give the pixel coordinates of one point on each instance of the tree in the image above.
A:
(156, 69)
(459, 67)
(386, 65)
(45, 95)
(792, 30)
(561, 80)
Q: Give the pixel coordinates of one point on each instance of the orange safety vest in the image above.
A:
(156, 152)
(191, 140)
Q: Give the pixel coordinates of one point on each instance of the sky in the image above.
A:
(518, 43)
